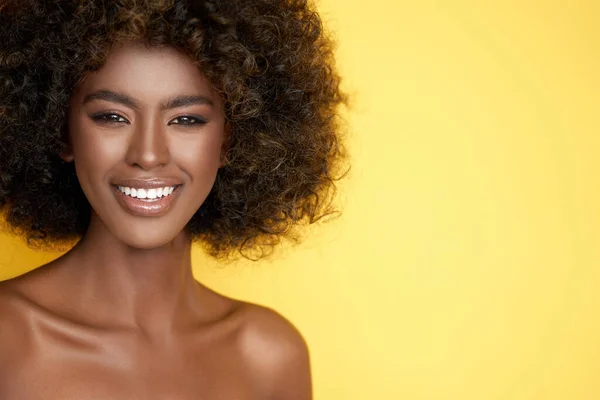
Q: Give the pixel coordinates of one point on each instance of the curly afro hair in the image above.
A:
(271, 62)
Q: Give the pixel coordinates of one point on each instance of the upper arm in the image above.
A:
(277, 355)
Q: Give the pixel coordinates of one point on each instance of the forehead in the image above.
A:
(149, 73)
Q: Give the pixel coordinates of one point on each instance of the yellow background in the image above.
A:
(466, 263)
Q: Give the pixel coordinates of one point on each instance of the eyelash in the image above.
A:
(104, 118)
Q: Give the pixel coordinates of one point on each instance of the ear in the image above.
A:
(67, 154)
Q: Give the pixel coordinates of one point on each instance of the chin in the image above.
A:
(146, 239)
(147, 244)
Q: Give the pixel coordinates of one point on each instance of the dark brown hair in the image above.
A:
(269, 59)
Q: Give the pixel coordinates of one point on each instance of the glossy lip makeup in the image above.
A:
(147, 198)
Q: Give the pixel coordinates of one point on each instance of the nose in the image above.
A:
(148, 146)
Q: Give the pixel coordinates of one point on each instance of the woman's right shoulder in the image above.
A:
(13, 321)
(12, 295)
(9, 301)
(9, 308)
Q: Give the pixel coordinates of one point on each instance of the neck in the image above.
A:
(152, 291)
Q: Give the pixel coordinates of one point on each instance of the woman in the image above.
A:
(135, 128)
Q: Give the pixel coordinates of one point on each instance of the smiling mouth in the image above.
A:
(146, 202)
(148, 194)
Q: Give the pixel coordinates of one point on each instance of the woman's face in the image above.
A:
(146, 134)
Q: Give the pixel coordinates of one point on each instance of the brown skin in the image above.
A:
(120, 316)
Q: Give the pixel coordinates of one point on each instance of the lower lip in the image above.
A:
(147, 207)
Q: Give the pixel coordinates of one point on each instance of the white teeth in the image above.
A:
(147, 193)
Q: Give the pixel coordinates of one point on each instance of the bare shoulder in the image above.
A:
(13, 323)
(277, 352)
(18, 293)
(12, 306)
(17, 299)
(9, 303)
(268, 331)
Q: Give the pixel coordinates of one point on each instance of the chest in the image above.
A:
(93, 369)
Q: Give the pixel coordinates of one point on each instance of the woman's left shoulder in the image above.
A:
(263, 328)
(276, 350)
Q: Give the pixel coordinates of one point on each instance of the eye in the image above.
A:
(188, 120)
(109, 118)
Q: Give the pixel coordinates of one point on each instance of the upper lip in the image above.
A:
(149, 183)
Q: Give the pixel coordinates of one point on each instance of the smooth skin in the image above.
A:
(120, 316)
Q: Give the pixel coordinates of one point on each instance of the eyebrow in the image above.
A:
(174, 102)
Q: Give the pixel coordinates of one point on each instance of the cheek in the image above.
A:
(199, 157)
(94, 152)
